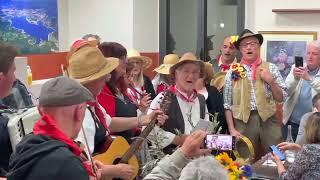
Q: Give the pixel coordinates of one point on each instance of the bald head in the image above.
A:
(228, 51)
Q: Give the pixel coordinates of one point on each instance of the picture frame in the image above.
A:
(280, 47)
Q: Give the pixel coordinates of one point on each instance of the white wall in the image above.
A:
(63, 25)
(112, 20)
(259, 16)
(146, 25)
(134, 24)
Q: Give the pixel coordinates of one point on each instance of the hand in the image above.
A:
(98, 166)
(266, 76)
(301, 72)
(234, 132)
(192, 145)
(123, 171)
(179, 140)
(158, 114)
(280, 166)
(289, 146)
(144, 102)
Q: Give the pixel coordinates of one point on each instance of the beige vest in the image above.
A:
(241, 98)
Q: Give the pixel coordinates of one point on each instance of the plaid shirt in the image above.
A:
(227, 92)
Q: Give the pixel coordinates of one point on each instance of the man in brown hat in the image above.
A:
(187, 107)
(50, 152)
(252, 89)
(88, 66)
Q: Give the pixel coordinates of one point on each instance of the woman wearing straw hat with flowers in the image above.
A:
(163, 79)
(141, 84)
(88, 66)
(187, 107)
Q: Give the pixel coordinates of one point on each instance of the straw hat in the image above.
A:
(134, 54)
(186, 58)
(168, 61)
(246, 34)
(88, 64)
(218, 80)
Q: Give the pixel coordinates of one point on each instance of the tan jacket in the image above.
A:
(241, 106)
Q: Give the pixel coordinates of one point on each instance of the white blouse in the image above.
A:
(192, 108)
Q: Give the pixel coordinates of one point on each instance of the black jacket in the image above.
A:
(215, 104)
(5, 145)
(41, 157)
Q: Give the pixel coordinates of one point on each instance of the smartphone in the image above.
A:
(220, 142)
(278, 152)
(298, 61)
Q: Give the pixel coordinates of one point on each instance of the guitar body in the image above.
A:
(115, 152)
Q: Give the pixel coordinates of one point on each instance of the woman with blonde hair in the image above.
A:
(307, 163)
(141, 83)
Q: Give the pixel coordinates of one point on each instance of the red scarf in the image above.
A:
(224, 67)
(47, 127)
(253, 66)
(175, 91)
(161, 87)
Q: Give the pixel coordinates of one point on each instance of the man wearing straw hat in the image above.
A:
(187, 107)
(88, 66)
(252, 89)
(163, 79)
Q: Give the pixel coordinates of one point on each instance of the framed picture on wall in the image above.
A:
(280, 47)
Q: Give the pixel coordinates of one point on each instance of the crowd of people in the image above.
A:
(105, 92)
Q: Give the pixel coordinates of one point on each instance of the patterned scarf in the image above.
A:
(253, 66)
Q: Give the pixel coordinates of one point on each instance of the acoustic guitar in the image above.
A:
(121, 152)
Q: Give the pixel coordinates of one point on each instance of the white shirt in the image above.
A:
(165, 138)
(90, 128)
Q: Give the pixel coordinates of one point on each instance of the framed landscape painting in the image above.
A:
(30, 25)
(280, 47)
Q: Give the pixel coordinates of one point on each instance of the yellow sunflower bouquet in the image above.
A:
(237, 170)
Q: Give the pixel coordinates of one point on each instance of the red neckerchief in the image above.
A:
(175, 91)
(99, 114)
(47, 127)
(225, 67)
(253, 66)
(161, 87)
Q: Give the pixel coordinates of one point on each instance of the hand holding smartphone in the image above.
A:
(220, 142)
(298, 61)
(277, 152)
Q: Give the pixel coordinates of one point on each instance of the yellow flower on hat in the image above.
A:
(234, 39)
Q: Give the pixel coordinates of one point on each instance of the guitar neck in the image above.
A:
(164, 106)
(137, 143)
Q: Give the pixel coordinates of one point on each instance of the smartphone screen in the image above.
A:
(298, 61)
(220, 142)
(278, 152)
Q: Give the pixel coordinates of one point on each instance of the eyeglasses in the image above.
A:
(252, 44)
